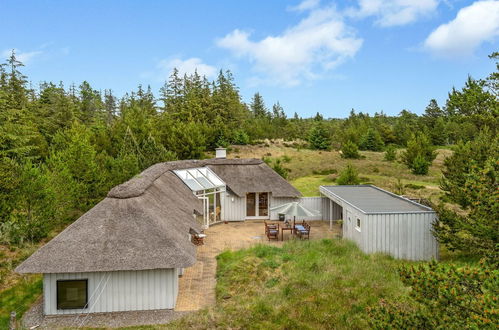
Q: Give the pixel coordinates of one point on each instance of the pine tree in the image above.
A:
(419, 154)
(110, 106)
(90, 105)
(467, 157)
(258, 107)
(349, 176)
(432, 113)
(319, 138)
(371, 141)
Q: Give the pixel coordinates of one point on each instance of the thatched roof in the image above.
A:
(144, 223)
(257, 177)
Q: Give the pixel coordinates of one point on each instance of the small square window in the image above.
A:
(72, 294)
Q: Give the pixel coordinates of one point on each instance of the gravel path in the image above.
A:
(35, 317)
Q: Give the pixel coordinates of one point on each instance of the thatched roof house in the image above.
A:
(144, 224)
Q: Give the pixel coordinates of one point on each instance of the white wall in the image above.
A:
(312, 203)
(276, 201)
(118, 291)
(402, 235)
(234, 207)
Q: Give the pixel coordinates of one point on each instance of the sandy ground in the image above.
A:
(196, 286)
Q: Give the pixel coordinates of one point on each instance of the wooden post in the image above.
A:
(12, 322)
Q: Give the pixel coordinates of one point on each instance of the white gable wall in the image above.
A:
(117, 291)
(403, 235)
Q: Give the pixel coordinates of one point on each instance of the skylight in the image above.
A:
(201, 178)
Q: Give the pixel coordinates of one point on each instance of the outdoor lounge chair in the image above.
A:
(302, 230)
(272, 231)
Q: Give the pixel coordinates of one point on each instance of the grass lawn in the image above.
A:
(19, 298)
(303, 285)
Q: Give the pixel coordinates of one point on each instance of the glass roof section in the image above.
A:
(201, 178)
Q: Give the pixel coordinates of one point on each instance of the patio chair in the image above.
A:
(272, 231)
(270, 225)
(197, 238)
(303, 230)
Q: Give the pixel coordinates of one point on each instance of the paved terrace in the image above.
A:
(197, 285)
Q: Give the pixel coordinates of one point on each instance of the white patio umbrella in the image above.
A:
(295, 209)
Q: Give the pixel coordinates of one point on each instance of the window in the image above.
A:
(357, 226)
(72, 294)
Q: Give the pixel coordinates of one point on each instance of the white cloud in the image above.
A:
(473, 25)
(24, 57)
(305, 5)
(317, 43)
(394, 12)
(187, 66)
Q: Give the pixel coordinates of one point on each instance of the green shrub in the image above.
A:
(241, 137)
(371, 141)
(325, 171)
(319, 138)
(281, 170)
(420, 165)
(390, 153)
(414, 186)
(350, 150)
(446, 296)
(419, 154)
(349, 176)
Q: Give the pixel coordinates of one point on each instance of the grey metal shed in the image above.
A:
(380, 221)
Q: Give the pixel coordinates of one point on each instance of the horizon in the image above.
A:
(310, 56)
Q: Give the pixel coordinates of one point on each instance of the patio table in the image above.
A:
(283, 229)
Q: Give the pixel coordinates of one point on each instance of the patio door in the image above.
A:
(257, 205)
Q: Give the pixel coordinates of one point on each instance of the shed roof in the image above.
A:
(371, 199)
(144, 223)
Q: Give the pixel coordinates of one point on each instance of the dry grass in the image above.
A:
(307, 168)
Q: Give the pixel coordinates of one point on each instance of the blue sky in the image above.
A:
(326, 56)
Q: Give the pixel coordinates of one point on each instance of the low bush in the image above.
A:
(350, 150)
(349, 176)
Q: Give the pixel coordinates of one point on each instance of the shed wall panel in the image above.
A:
(117, 291)
(402, 235)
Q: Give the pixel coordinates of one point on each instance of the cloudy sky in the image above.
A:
(326, 56)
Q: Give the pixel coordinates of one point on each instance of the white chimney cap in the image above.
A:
(220, 153)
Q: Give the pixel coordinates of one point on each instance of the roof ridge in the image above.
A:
(137, 185)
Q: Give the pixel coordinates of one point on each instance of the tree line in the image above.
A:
(62, 148)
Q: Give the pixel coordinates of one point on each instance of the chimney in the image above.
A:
(220, 153)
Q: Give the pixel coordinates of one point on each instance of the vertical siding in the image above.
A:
(118, 291)
(276, 201)
(234, 207)
(402, 235)
(313, 203)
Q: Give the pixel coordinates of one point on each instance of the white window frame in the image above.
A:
(357, 224)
